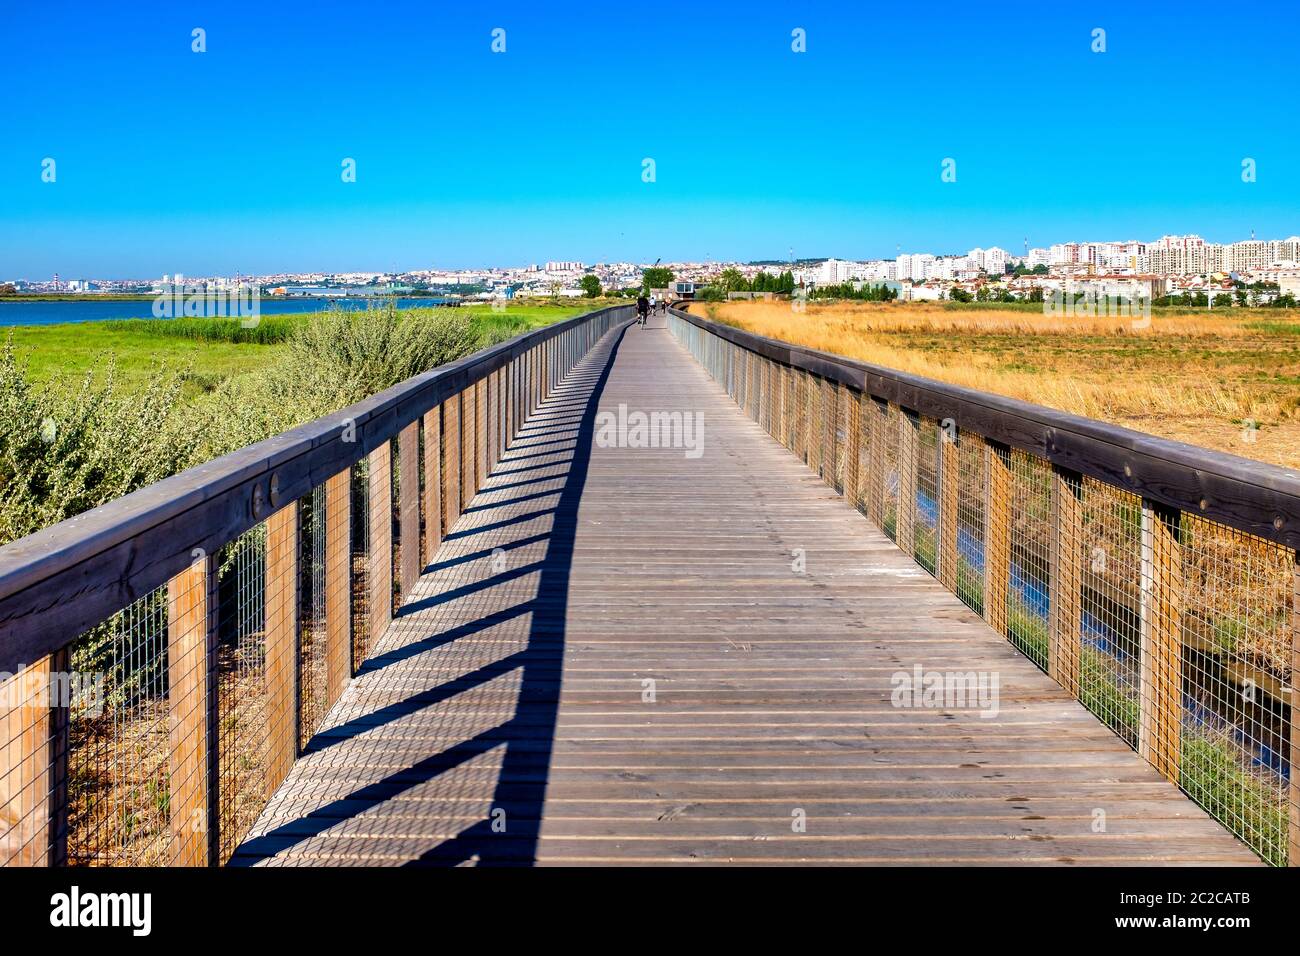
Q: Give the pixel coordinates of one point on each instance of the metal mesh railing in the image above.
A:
(1177, 631)
(158, 735)
(1238, 631)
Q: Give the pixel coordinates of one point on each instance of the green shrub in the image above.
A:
(269, 330)
(328, 362)
(66, 450)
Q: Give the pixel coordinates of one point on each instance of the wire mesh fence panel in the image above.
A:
(800, 414)
(864, 423)
(972, 479)
(1028, 580)
(765, 415)
(814, 423)
(1110, 556)
(888, 432)
(241, 681)
(925, 530)
(1238, 642)
(118, 755)
(839, 435)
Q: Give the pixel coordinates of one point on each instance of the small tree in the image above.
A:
(656, 277)
(590, 286)
(730, 280)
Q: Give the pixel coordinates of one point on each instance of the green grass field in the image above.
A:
(208, 351)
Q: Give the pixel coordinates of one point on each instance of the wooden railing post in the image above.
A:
(379, 572)
(408, 449)
(908, 440)
(191, 669)
(997, 535)
(283, 648)
(949, 498)
(1161, 675)
(338, 584)
(1066, 580)
(33, 760)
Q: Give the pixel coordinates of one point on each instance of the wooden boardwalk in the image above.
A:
(613, 660)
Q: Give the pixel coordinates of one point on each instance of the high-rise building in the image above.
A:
(1249, 256)
(995, 261)
(1177, 255)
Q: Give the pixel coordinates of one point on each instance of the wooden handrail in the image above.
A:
(58, 582)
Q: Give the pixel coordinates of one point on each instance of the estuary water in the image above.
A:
(97, 310)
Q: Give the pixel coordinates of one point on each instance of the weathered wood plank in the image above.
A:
(191, 663)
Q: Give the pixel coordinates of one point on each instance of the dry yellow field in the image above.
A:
(1227, 380)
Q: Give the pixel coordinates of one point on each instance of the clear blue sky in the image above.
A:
(171, 161)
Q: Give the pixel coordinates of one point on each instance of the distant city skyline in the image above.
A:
(1170, 254)
(234, 159)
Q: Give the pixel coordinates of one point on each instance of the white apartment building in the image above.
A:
(1177, 255)
(1038, 257)
(995, 261)
(1064, 254)
(1248, 256)
(835, 271)
(915, 266)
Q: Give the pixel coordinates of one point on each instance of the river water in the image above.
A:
(97, 310)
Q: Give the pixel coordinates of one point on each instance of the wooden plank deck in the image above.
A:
(504, 716)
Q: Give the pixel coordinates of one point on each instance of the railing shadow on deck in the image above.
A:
(522, 777)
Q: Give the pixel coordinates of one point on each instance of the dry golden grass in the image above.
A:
(1195, 377)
